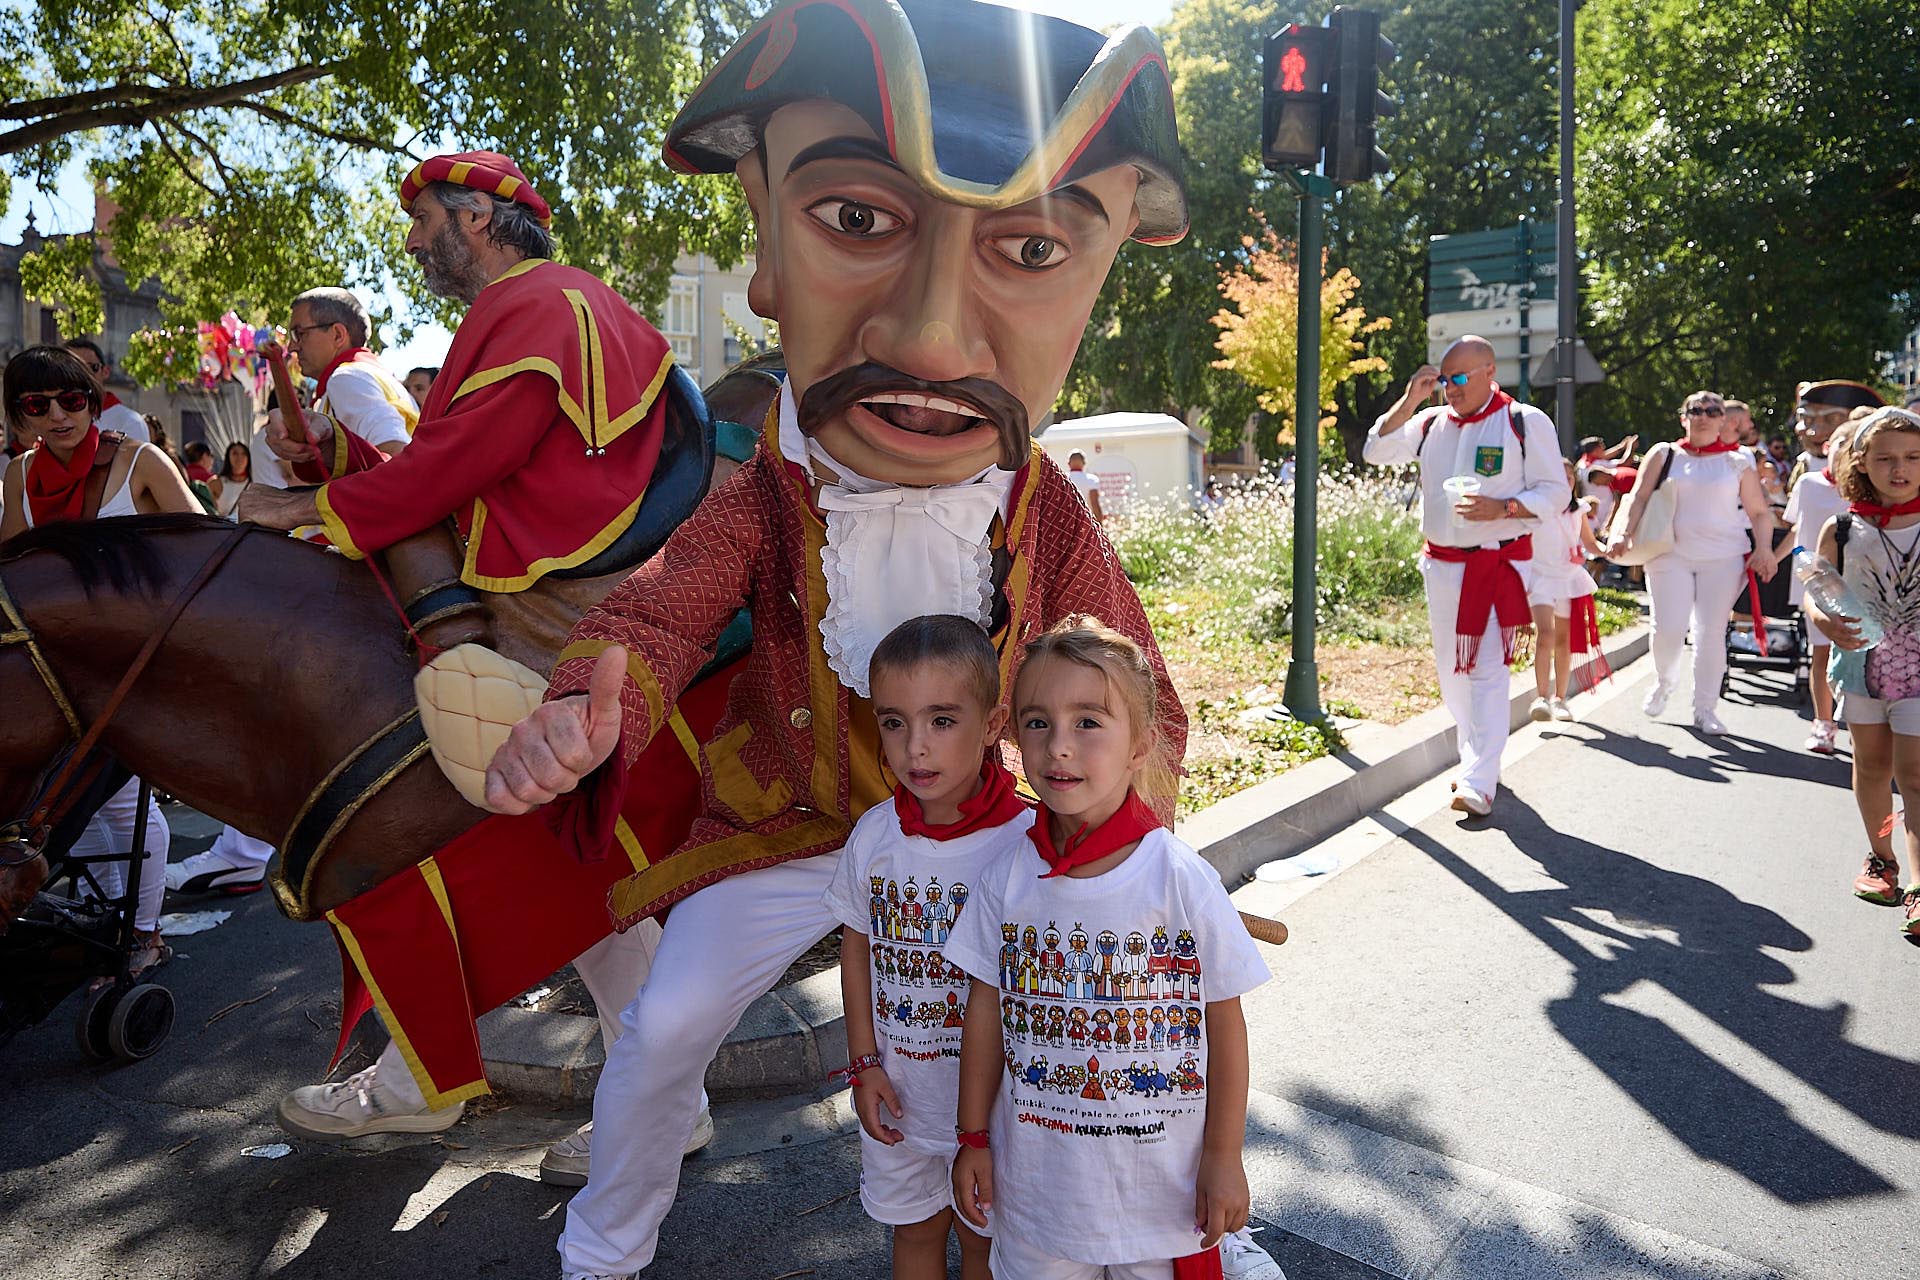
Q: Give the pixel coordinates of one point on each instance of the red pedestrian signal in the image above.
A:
(1293, 97)
(1293, 70)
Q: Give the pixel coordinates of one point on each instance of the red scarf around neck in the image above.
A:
(1130, 822)
(1489, 586)
(1702, 450)
(351, 353)
(57, 490)
(1883, 516)
(1495, 402)
(994, 804)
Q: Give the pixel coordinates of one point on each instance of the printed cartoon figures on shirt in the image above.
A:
(1009, 953)
(1133, 967)
(1057, 1025)
(1053, 963)
(1026, 978)
(1186, 1076)
(938, 918)
(1106, 977)
(1079, 966)
(913, 917)
(1159, 965)
(1186, 967)
(877, 907)
(893, 911)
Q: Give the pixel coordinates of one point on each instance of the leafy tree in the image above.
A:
(1259, 332)
(254, 153)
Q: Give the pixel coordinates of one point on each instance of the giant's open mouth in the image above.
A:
(928, 415)
(937, 410)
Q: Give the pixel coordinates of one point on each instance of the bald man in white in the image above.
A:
(1479, 550)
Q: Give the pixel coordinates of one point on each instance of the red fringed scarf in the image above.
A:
(1883, 516)
(1700, 451)
(56, 490)
(1496, 402)
(1489, 586)
(1583, 625)
(1130, 822)
(992, 805)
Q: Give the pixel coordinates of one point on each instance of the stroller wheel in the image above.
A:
(140, 1022)
(90, 1029)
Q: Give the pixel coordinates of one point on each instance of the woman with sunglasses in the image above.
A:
(1722, 528)
(50, 400)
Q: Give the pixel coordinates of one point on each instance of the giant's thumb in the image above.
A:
(603, 692)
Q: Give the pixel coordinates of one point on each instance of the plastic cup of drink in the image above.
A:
(1458, 487)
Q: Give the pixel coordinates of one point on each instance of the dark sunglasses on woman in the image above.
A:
(37, 404)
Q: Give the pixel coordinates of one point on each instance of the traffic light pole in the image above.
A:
(1567, 281)
(1302, 696)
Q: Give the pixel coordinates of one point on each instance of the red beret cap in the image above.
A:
(487, 171)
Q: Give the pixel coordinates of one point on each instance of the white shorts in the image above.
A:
(1902, 715)
(1018, 1261)
(901, 1185)
(1559, 589)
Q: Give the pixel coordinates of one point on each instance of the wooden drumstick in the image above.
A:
(1263, 929)
(289, 396)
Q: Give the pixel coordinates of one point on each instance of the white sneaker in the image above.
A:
(1656, 700)
(210, 872)
(596, 1275)
(1709, 723)
(1820, 741)
(358, 1106)
(1242, 1259)
(1562, 712)
(1541, 709)
(1467, 800)
(569, 1161)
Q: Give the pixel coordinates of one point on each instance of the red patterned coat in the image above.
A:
(776, 775)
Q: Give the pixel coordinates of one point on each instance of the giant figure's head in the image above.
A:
(940, 187)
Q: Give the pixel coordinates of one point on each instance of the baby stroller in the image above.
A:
(1788, 647)
(74, 936)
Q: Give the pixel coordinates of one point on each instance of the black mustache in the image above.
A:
(840, 391)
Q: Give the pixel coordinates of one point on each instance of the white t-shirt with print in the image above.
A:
(906, 893)
(1104, 983)
(1814, 501)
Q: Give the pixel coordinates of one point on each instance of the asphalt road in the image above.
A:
(1633, 1025)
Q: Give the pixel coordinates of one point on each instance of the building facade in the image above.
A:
(707, 319)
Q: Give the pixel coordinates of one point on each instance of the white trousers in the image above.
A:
(240, 849)
(724, 947)
(612, 969)
(110, 830)
(1703, 590)
(1477, 699)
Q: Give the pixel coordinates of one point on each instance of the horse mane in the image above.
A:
(118, 550)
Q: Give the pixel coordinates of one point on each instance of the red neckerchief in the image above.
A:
(1718, 446)
(1498, 400)
(1826, 473)
(992, 805)
(1882, 516)
(108, 400)
(1130, 822)
(56, 490)
(1490, 585)
(349, 354)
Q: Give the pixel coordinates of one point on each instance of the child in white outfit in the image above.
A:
(1103, 1088)
(905, 878)
(1814, 501)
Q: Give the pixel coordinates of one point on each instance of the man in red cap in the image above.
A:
(542, 429)
(539, 437)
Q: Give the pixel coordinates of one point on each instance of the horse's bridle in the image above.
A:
(21, 839)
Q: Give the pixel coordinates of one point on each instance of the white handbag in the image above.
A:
(1653, 536)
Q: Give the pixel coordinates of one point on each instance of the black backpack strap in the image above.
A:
(1842, 530)
(1518, 426)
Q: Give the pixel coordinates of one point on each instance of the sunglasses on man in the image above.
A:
(1706, 411)
(38, 404)
(1455, 379)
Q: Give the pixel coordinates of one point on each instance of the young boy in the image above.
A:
(904, 878)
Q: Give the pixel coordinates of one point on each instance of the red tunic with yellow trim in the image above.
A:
(778, 774)
(539, 436)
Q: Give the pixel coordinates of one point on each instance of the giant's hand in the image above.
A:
(563, 741)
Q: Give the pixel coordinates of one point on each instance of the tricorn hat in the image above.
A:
(982, 105)
(1840, 394)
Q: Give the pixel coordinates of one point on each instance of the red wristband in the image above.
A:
(975, 1138)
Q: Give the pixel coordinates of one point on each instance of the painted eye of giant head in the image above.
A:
(1036, 253)
(853, 218)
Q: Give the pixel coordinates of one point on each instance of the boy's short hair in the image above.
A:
(942, 637)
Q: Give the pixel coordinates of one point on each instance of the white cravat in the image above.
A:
(895, 552)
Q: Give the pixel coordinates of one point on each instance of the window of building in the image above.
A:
(681, 323)
(740, 319)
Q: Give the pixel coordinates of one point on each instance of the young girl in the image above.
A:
(902, 882)
(1815, 500)
(1113, 1154)
(1561, 596)
(1876, 546)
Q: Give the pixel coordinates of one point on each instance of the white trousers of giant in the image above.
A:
(724, 947)
(110, 831)
(613, 970)
(1703, 591)
(1478, 699)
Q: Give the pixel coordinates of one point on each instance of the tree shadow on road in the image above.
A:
(1619, 921)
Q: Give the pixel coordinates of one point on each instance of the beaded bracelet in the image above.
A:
(865, 1062)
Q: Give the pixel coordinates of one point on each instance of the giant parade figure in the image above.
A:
(939, 189)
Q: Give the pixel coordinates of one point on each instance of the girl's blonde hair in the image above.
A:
(1089, 642)
(1850, 468)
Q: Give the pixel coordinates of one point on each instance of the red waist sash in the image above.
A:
(1490, 586)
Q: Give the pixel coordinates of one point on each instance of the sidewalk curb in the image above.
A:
(791, 1037)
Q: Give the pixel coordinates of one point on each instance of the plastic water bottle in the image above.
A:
(1830, 591)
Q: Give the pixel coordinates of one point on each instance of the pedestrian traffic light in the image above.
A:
(1354, 98)
(1293, 97)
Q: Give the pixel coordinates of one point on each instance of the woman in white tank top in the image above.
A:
(1722, 526)
(235, 478)
(50, 399)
